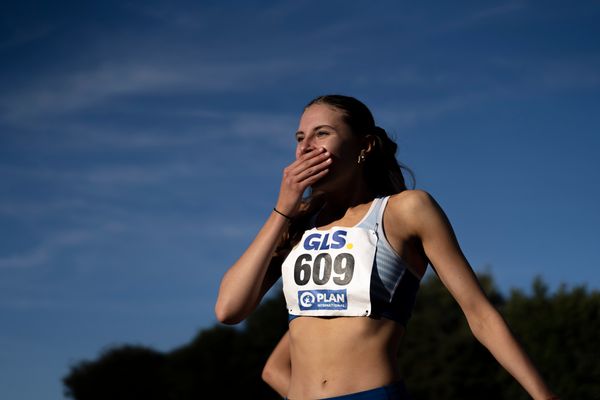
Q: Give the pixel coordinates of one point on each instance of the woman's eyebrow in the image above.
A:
(323, 126)
(316, 128)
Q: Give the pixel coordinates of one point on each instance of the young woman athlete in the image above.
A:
(351, 257)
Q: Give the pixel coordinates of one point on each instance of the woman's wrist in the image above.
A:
(287, 217)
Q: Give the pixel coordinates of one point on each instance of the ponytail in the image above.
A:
(383, 172)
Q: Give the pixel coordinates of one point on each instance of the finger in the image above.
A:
(313, 170)
(312, 179)
(307, 156)
(303, 165)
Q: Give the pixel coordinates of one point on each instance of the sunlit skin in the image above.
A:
(324, 352)
(335, 356)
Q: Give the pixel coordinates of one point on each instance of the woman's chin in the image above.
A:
(322, 185)
(323, 181)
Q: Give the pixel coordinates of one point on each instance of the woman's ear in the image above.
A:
(368, 143)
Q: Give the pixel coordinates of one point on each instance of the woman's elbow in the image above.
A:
(267, 375)
(484, 321)
(226, 315)
(274, 378)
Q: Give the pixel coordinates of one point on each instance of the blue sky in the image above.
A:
(142, 143)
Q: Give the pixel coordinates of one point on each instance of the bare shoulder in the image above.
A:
(411, 198)
(411, 202)
(411, 207)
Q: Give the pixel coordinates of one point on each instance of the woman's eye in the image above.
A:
(299, 139)
(322, 133)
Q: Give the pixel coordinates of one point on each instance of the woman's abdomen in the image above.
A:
(335, 356)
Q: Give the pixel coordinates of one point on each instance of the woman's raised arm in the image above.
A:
(244, 284)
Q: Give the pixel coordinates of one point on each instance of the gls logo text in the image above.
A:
(319, 241)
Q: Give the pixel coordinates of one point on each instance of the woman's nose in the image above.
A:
(306, 146)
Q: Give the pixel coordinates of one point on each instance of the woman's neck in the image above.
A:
(337, 203)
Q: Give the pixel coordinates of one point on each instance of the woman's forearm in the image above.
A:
(492, 331)
(243, 284)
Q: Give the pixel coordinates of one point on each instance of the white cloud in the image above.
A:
(547, 73)
(190, 128)
(22, 35)
(280, 10)
(80, 89)
(170, 63)
(233, 230)
(32, 208)
(493, 12)
(114, 175)
(102, 174)
(568, 74)
(481, 16)
(43, 253)
(409, 114)
(277, 126)
(34, 257)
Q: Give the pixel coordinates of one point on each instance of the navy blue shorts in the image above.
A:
(395, 391)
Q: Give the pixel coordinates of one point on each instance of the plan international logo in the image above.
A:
(322, 299)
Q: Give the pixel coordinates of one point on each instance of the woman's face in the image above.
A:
(322, 125)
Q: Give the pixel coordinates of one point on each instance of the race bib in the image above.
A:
(328, 273)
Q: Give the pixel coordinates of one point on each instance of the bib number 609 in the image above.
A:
(343, 267)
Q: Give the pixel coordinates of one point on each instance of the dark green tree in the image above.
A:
(221, 361)
(229, 361)
(439, 356)
(123, 373)
(560, 332)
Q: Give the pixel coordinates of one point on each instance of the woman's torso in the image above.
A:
(334, 356)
